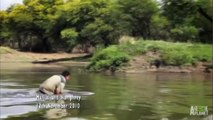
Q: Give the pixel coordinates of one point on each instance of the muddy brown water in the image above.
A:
(144, 96)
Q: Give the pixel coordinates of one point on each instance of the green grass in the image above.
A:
(116, 56)
(5, 50)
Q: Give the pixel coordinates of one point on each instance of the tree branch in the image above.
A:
(202, 12)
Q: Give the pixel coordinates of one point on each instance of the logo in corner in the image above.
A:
(199, 110)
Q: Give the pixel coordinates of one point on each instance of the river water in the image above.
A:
(144, 96)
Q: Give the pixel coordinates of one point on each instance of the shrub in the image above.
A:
(109, 58)
(175, 57)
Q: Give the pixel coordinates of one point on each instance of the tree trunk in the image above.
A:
(106, 41)
(19, 42)
(46, 45)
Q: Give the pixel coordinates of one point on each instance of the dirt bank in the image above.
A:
(140, 64)
(17, 56)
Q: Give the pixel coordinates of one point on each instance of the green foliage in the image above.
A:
(90, 18)
(110, 58)
(171, 53)
(179, 11)
(70, 35)
(181, 53)
(95, 31)
(31, 24)
(159, 27)
(134, 12)
(133, 49)
(190, 19)
(177, 57)
(101, 22)
(185, 33)
(201, 52)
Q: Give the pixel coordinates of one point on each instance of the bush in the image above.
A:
(175, 57)
(110, 58)
(70, 35)
(132, 49)
(201, 52)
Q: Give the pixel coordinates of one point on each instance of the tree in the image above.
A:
(89, 18)
(4, 33)
(17, 22)
(160, 27)
(191, 13)
(41, 24)
(138, 14)
(70, 37)
(97, 32)
(203, 20)
(45, 25)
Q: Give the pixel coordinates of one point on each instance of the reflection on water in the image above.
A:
(56, 113)
(16, 110)
(147, 96)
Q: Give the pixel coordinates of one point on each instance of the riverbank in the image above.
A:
(11, 55)
(156, 56)
(113, 60)
(139, 65)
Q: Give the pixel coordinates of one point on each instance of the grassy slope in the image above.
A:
(4, 50)
(116, 56)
